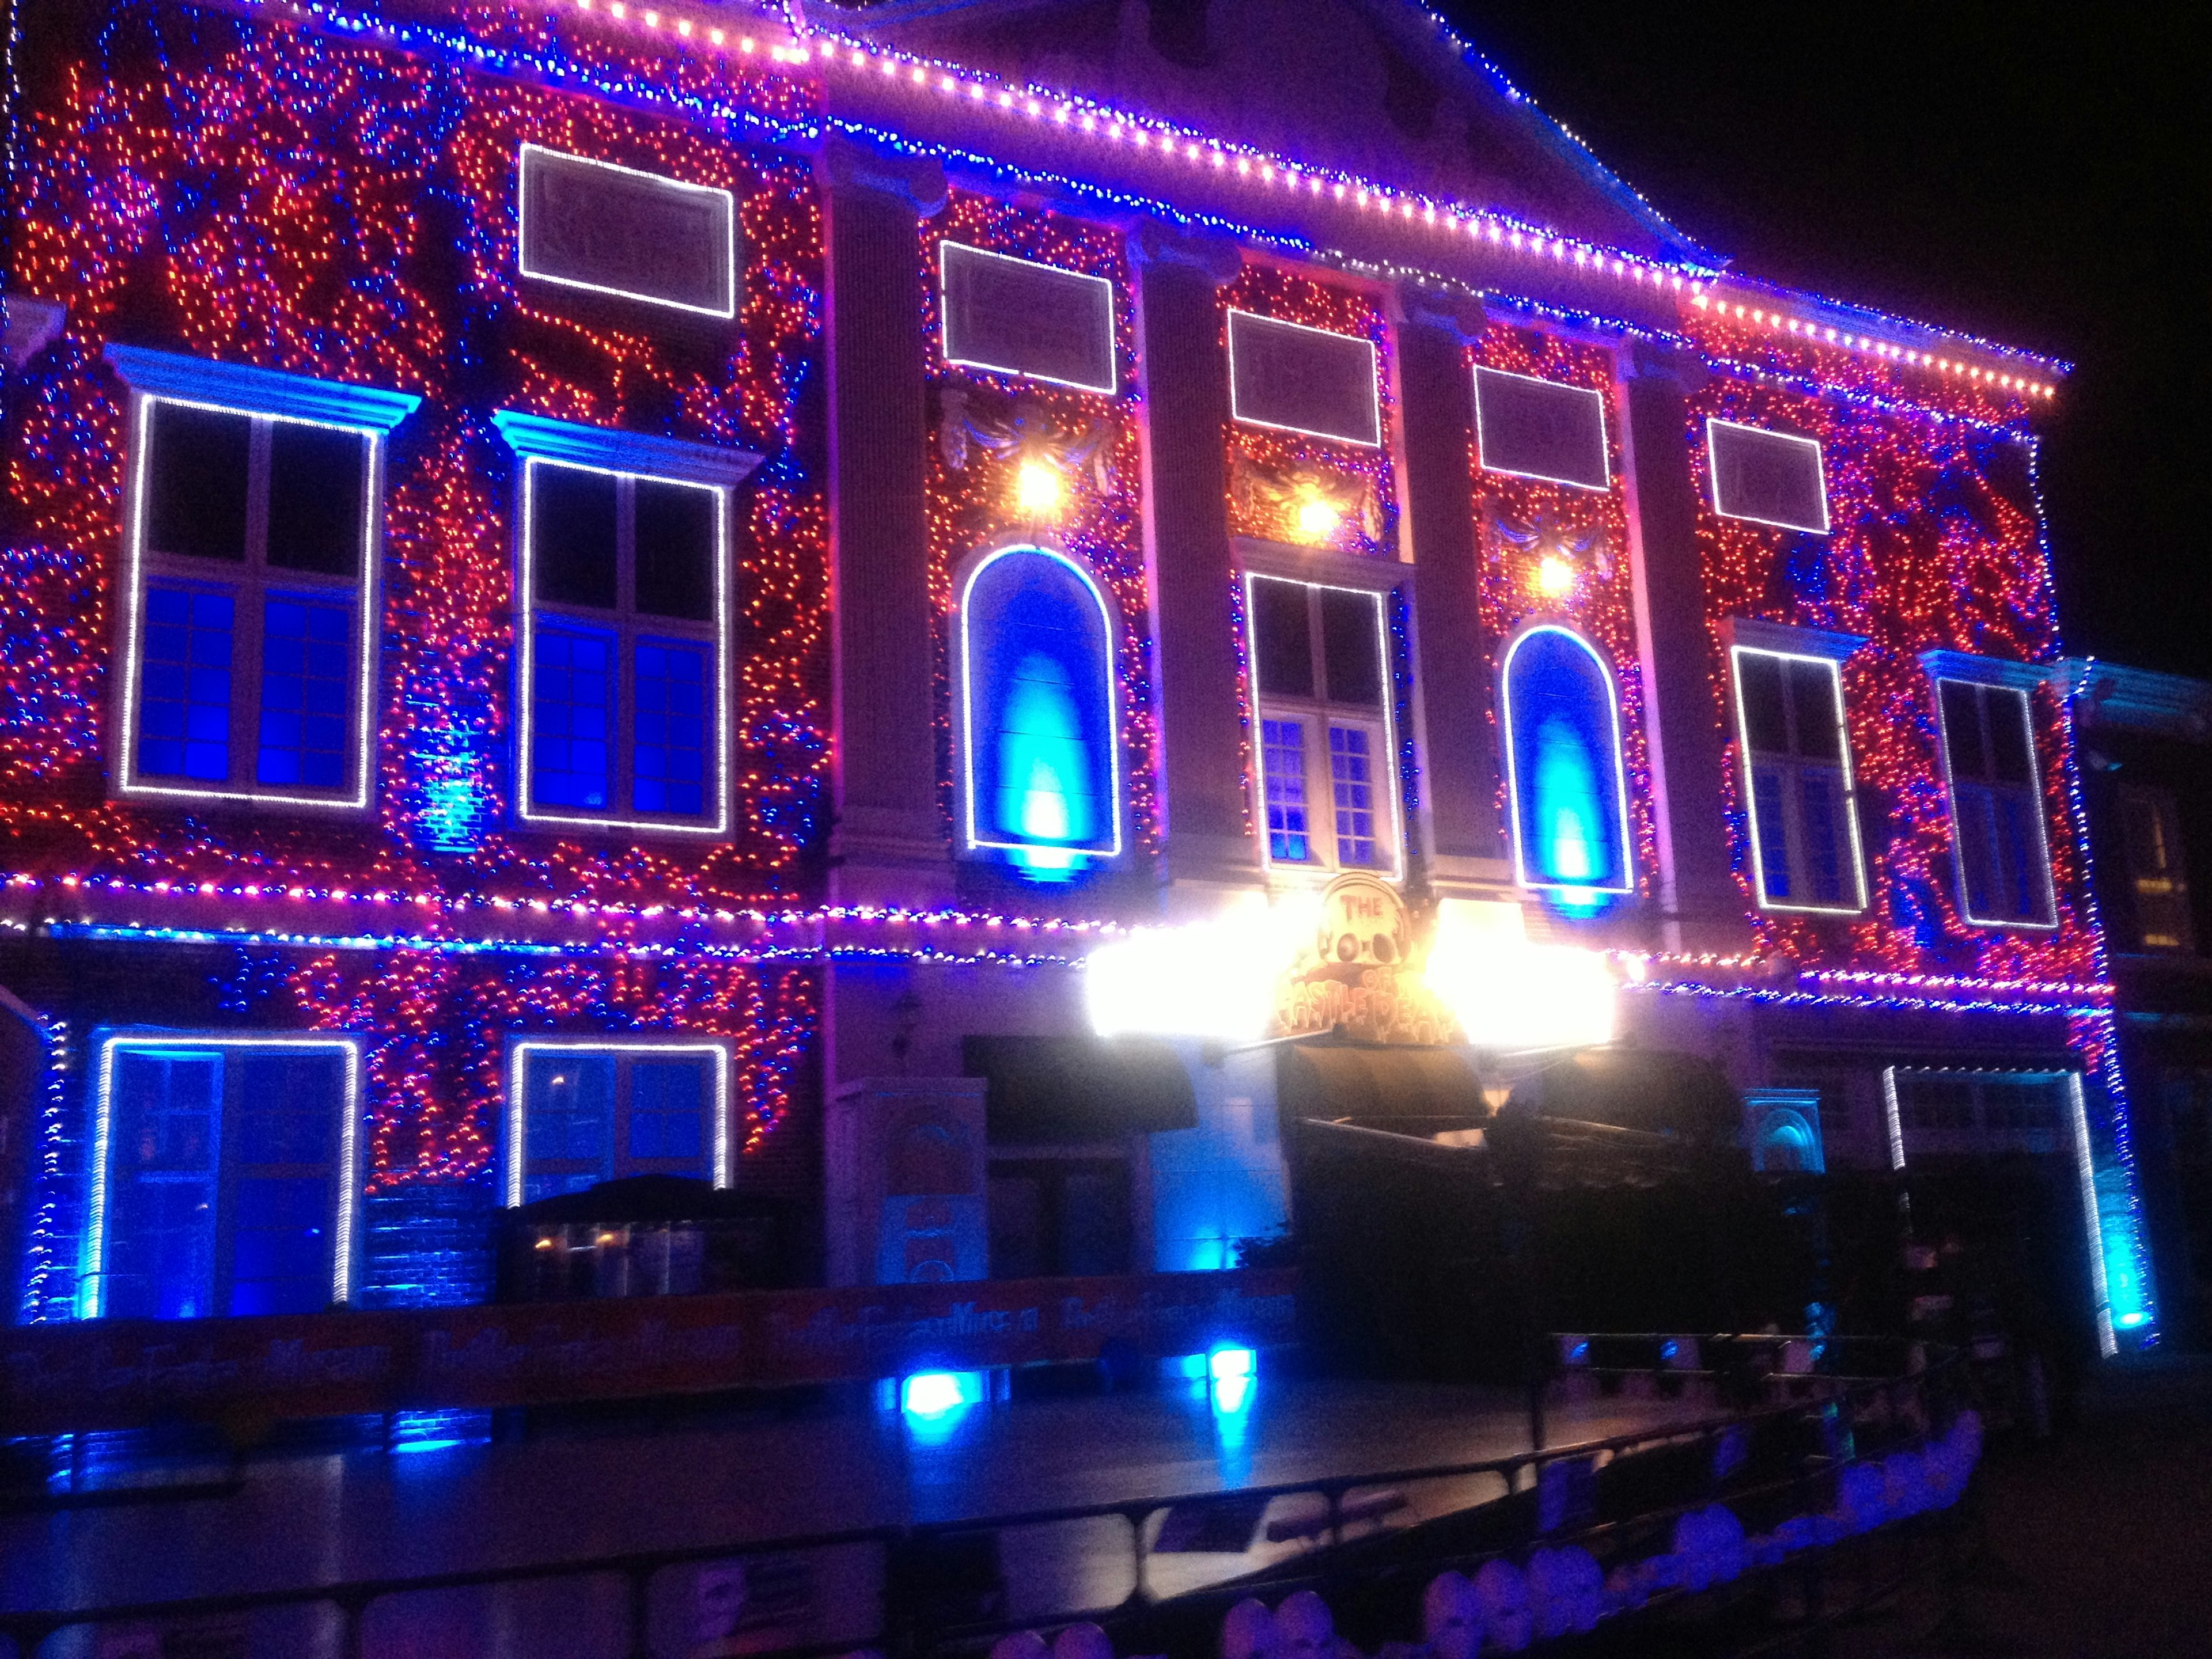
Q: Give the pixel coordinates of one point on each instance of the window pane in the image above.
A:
(1768, 799)
(675, 549)
(668, 1102)
(316, 478)
(196, 482)
(1962, 729)
(184, 710)
(280, 1245)
(1351, 777)
(572, 529)
(160, 1219)
(572, 705)
(307, 670)
(569, 1108)
(674, 706)
(288, 1106)
(1282, 639)
(1976, 829)
(1813, 689)
(1283, 765)
(2012, 748)
(1820, 794)
(1759, 682)
(1351, 648)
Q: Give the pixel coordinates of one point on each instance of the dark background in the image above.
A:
(2042, 180)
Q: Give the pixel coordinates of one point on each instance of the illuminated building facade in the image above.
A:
(589, 587)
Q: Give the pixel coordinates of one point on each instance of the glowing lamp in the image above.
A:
(1317, 520)
(1038, 489)
(1555, 577)
(1206, 979)
(934, 1394)
(1509, 993)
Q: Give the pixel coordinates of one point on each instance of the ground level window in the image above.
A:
(581, 1112)
(224, 1177)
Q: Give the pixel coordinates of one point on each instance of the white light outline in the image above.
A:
(1737, 654)
(1373, 392)
(1512, 768)
(2035, 796)
(520, 1050)
(526, 659)
(1820, 470)
(1893, 1119)
(92, 1293)
(2101, 1288)
(1112, 387)
(976, 842)
(522, 234)
(367, 597)
(1604, 434)
(1389, 785)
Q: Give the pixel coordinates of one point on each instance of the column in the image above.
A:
(889, 842)
(1207, 848)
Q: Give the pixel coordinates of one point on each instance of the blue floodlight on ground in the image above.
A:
(937, 1394)
(1231, 1370)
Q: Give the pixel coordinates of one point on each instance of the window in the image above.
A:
(1022, 317)
(1797, 768)
(1996, 804)
(591, 224)
(2151, 829)
(1976, 1113)
(249, 645)
(1767, 478)
(1533, 429)
(1297, 379)
(621, 679)
(1328, 767)
(581, 1111)
(224, 1174)
(1039, 740)
(1563, 765)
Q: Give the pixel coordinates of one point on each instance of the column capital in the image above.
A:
(1449, 310)
(849, 164)
(1155, 242)
(1663, 360)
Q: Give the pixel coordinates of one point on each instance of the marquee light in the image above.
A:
(1214, 978)
(1510, 994)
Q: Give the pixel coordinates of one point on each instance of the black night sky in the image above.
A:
(2043, 181)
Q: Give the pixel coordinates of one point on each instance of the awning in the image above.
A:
(1363, 1084)
(1054, 1091)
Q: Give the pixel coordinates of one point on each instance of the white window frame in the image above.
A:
(1819, 467)
(1994, 675)
(1374, 397)
(1627, 882)
(1314, 716)
(972, 838)
(1604, 435)
(945, 318)
(727, 309)
(623, 455)
(345, 1174)
(1790, 647)
(263, 397)
(515, 1157)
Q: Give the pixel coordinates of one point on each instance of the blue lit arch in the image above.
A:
(1039, 753)
(1569, 794)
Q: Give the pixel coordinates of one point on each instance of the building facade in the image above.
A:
(596, 590)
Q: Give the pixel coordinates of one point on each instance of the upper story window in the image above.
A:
(623, 668)
(1041, 758)
(1297, 379)
(1561, 719)
(224, 1174)
(1996, 791)
(2158, 880)
(1528, 428)
(584, 1110)
(1797, 770)
(248, 626)
(592, 224)
(1328, 765)
(1767, 477)
(1018, 317)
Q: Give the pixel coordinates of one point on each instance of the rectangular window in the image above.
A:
(581, 1112)
(612, 229)
(1318, 671)
(1022, 317)
(1767, 478)
(1797, 767)
(1533, 429)
(1942, 1114)
(2158, 881)
(249, 653)
(1996, 804)
(1297, 379)
(224, 1176)
(623, 649)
